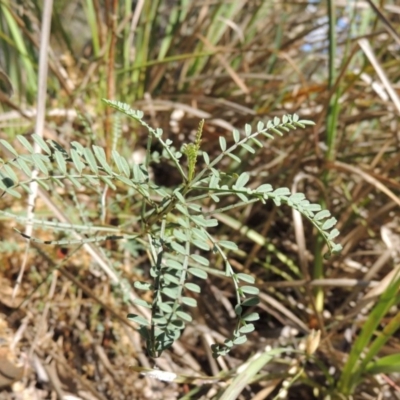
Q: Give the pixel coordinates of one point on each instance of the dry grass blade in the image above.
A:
(235, 77)
(385, 21)
(6, 86)
(364, 44)
(284, 311)
(39, 124)
(368, 178)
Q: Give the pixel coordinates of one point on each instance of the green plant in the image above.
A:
(364, 358)
(173, 225)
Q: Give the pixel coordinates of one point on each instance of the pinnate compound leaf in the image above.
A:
(214, 180)
(9, 147)
(179, 196)
(283, 191)
(236, 135)
(159, 319)
(245, 329)
(142, 303)
(143, 285)
(310, 207)
(200, 259)
(74, 181)
(214, 197)
(10, 172)
(39, 160)
(201, 244)
(41, 143)
(242, 197)
(277, 131)
(24, 167)
(227, 244)
(108, 181)
(166, 321)
(171, 292)
(245, 278)
(238, 310)
(249, 290)
(228, 342)
(251, 317)
(182, 209)
(235, 158)
(222, 143)
(171, 279)
(184, 316)
(165, 307)
(189, 301)
(93, 181)
(242, 180)
(139, 173)
(201, 221)
(248, 148)
(264, 188)
(334, 233)
(306, 122)
(337, 248)
(101, 156)
(240, 340)
(250, 302)
(76, 146)
(184, 222)
(178, 248)
(138, 319)
(297, 197)
(176, 324)
(322, 215)
(200, 233)
(89, 156)
(192, 287)
(180, 235)
(99, 152)
(257, 142)
(11, 192)
(78, 163)
(329, 223)
(194, 207)
(121, 163)
(62, 165)
(199, 273)
(7, 184)
(24, 141)
(126, 181)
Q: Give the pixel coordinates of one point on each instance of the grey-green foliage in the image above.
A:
(172, 221)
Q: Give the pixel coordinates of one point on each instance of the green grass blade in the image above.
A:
(253, 366)
(357, 362)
